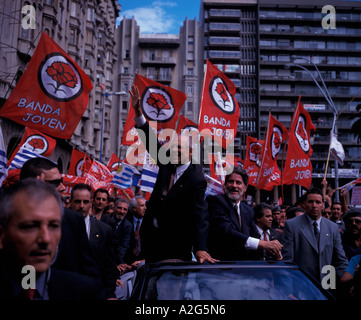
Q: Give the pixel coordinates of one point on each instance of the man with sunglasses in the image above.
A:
(73, 250)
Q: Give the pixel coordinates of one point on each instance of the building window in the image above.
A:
(126, 54)
(73, 37)
(73, 9)
(189, 106)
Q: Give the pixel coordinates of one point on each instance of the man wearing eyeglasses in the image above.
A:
(73, 250)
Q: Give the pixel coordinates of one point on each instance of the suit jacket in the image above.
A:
(74, 250)
(300, 246)
(226, 236)
(62, 285)
(102, 248)
(122, 237)
(178, 222)
(130, 257)
(260, 254)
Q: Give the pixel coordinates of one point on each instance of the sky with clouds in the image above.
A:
(160, 16)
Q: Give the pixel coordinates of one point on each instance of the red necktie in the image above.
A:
(265, 235)
(136, 250)
(30, 293)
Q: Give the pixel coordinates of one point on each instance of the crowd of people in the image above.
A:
(92, 246)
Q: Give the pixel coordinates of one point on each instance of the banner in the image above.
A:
(219, 166)
(52, 94)
(187, 125)
(336, 148)
(124, 178)
(21, 157)
(214, 187)
(159, 103)
(80, 163)
(269, 175)
(252, 160)
(70, 181)
(35, 142)
(113, 164)
(298, 166)
(99, 175)
(219, 110)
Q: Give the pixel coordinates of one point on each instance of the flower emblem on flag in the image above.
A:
(276, 141)
(221, 96)
(58, 78)
(301, 134)
(157, 104)
(36, 143)
(255, 150)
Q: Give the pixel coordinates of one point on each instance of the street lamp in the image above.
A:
(328, 98)
(106, 94)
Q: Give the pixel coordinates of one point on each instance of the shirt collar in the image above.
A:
(318, 221)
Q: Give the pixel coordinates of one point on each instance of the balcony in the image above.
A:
(159, 60)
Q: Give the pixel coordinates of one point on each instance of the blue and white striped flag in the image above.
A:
(149, 177)
(21, 157)
(3, 161)
(124, 178)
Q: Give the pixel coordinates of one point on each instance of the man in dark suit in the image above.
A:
(30, 231)
(73, 250)
(312, 241)
(232, 228)
(123, 230)
(263, 219)
(100, 238)
(176, 221)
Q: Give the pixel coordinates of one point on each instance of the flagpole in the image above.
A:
(264, 149)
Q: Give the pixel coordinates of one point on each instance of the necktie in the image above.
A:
(238, 215)
(265, 235)
(171, 180)
(316, 232)
(30, 293)
(136, 250)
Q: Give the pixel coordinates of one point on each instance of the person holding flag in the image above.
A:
(176, 221)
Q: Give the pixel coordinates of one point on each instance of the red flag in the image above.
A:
(220, 166)
(80, 163)
(52, 94)
(238, 162)
(298, 166)
(99, 175)
(159, 103)
(113, 164)
(219, 111)
(36, 142)
(70, 181)
(269, 175)
(252, 160)
(186, 124)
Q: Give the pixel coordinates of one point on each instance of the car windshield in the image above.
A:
(231, 284)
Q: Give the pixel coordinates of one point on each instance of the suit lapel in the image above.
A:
(308, 233)
(180, 182)
(324, 234)
(232, 213)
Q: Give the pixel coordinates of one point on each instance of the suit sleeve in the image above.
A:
(122, 238)
(287, 241)
(339, 260)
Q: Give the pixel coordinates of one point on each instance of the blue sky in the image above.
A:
(160, 16)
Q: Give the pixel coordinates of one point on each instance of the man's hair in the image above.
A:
(291, 212)
(34, 189)
(336, 203)
(259, 210)
(35, 167)
(134, 203)
(81, 186)
(120, 201)
(239, 170)
(314, 191)
(101, 190)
